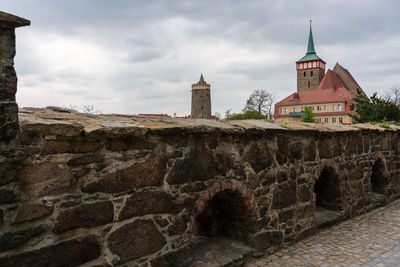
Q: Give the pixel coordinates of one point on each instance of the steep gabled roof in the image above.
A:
(330, 81)
(347, 79)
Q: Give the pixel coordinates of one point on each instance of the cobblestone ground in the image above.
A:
(372, 239)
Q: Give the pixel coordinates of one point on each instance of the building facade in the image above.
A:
(329, 95)
(201, 100)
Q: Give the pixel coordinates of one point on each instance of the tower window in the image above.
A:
(304, 74)
(312, 73)
(309, 84)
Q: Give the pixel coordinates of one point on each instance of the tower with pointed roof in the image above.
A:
(310, 68)
(201, 100)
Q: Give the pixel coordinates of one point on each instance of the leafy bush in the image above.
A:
(309, 115)
(247, 115)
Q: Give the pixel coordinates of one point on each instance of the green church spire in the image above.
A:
(310, 47)
(310, 55)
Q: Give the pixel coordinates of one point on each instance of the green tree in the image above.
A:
(247, 115)
(261, 101)
(308, 116)
(375, 109)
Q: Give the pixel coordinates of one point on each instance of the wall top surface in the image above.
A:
(66, 122)
(12, 21)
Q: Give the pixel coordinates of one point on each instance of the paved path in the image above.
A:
(372, 239)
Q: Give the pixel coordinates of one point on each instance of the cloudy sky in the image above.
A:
(141, 56)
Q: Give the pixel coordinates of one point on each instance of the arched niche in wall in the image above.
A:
(227, 209)
(379, 176)
(327, 189)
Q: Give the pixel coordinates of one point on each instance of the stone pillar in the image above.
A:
(8, 77)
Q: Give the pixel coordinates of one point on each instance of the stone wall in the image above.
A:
(8, 77)
(110, 190)
(314, 80)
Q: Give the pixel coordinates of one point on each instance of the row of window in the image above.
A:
(335, 107)
(310, 65)
(333, 120)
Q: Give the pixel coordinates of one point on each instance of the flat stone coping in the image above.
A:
(67, 122)
(11, 21)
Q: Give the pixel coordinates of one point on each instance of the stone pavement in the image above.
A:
(372, 239)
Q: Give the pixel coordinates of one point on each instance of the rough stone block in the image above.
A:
(86, 159)
(129, 143)
(8, 171)
(73, 252)
(259, 159)
(304, 193)
(143, 203)
(10, 240)
(32, 212)
(8, 121)
(8, 196)
(263, 241)
(310, 151)
(148, 173)
(282, 154)
(284, 196)
(8, 83)
(135, 240)
(295, 151)
(86, 215)
(71, 146)
(45, 179)
(324, 149)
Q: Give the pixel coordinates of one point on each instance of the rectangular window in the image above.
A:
(335, 107)
(312, 108)
(341, 119)
(281, 110)
(326, 107)
(302, 108)
(319, 108)
(340, 107)
(333, 120)
(286, 110)
(319, 119)
(295, 109)
(326, 120)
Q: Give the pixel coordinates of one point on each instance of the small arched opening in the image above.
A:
(327, 190)
(226, 214)
(379, 178)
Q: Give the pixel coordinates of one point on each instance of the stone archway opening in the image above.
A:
(328, 197)
(225, 215)
(379, 179)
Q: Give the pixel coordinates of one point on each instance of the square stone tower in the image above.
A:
(8, 78)
(201, 100)
(310, 68)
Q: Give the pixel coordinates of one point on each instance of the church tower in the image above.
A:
(310, 68)
(201, 100)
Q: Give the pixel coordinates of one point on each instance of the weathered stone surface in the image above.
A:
(153, 202)
(135, 240)
(1, 217)
(86, 159)
(259, 159)
(8, 121)
(73, 252)
(282, 155)
(305, 210)
(8, 83)
(286, 215)
(265, 240)
(71, 146)
(8, 20)
(304, 193)
(148, 173)
(309, 151)
(8, 196)
(295, 151)
(284, 196)
(86, 215)
(8, 171)
(198, 165)
(10, 240)
(46, 179)
(324, 149)
(128, 143)
(32, 212)
(178, 227)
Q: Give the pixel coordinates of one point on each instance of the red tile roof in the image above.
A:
(331, 89)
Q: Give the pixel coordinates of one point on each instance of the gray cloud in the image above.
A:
(142, 56)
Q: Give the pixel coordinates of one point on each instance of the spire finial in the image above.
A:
(201, 79)
(310, 47)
